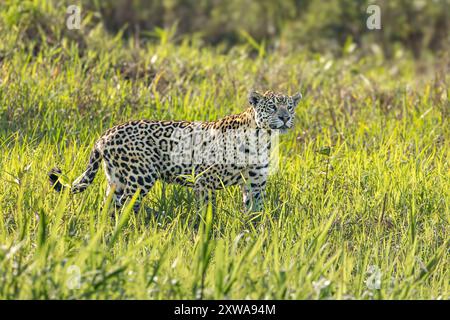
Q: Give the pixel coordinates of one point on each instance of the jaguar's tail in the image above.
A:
(83, 181)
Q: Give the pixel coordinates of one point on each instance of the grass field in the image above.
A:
(359, 208)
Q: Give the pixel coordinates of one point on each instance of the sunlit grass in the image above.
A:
(363, 183)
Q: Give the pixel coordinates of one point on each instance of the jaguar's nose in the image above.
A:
(283, 117)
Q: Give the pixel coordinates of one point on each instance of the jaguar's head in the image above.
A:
(274, 111)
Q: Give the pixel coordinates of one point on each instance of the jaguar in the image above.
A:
(201, 155)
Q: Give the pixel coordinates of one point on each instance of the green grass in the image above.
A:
(378, 199)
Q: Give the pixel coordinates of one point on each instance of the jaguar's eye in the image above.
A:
(272, 108)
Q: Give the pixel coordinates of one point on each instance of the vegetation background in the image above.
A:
(358, 210)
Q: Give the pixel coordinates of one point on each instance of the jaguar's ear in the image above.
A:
(254, 97)
(296, 98)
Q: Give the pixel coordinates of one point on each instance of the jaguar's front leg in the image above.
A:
(204, 196)
(253, 195)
